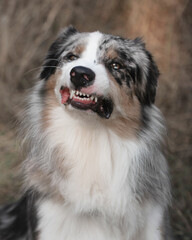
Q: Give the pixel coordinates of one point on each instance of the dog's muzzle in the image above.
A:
(82, 77)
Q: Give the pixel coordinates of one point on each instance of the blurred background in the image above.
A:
(27, 28)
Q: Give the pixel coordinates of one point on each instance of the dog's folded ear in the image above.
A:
(146, 74)
(52, 59)
(152, 79)
(143, 71)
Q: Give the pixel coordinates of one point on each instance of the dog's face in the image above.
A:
(100, 75)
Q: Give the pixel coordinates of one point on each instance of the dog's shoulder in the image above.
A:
(18, 220)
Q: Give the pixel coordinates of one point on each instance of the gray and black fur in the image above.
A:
(139, 74)
(18, 221)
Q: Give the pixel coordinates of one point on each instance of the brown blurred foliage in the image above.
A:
(28, 27)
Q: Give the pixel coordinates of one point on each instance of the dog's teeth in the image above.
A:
(82, 96)
(72, 93)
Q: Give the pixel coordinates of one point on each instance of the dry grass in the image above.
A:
(9, 166)
(27, 29)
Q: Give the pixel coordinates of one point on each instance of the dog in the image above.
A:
(94, 141)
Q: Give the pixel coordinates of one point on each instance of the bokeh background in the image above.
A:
(27, 28)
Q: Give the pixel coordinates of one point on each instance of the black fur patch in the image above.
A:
(153, 74)
(52, 59)
(18, 220)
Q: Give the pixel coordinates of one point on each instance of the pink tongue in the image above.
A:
(64, 95)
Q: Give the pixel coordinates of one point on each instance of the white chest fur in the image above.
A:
(99, 203)
(60, 222)
(99, 165)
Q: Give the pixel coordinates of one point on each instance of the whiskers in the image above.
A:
(44, 66)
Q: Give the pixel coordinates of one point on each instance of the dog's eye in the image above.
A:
(116, 66)
(71, 57)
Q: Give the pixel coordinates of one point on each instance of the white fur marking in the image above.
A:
(90, 53)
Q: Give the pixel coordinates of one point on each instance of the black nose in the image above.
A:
(82, 76)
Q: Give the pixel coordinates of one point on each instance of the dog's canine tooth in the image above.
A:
(92, 97)
(72, 93)
(96, 99)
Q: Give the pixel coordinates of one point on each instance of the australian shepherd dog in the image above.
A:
(94, 167)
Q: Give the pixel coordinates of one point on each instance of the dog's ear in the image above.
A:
(52, 59)
(146, 74)
(152, 78)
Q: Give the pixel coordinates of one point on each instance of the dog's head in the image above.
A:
(100, 74)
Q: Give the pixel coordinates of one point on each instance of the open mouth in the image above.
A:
(83, 101)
